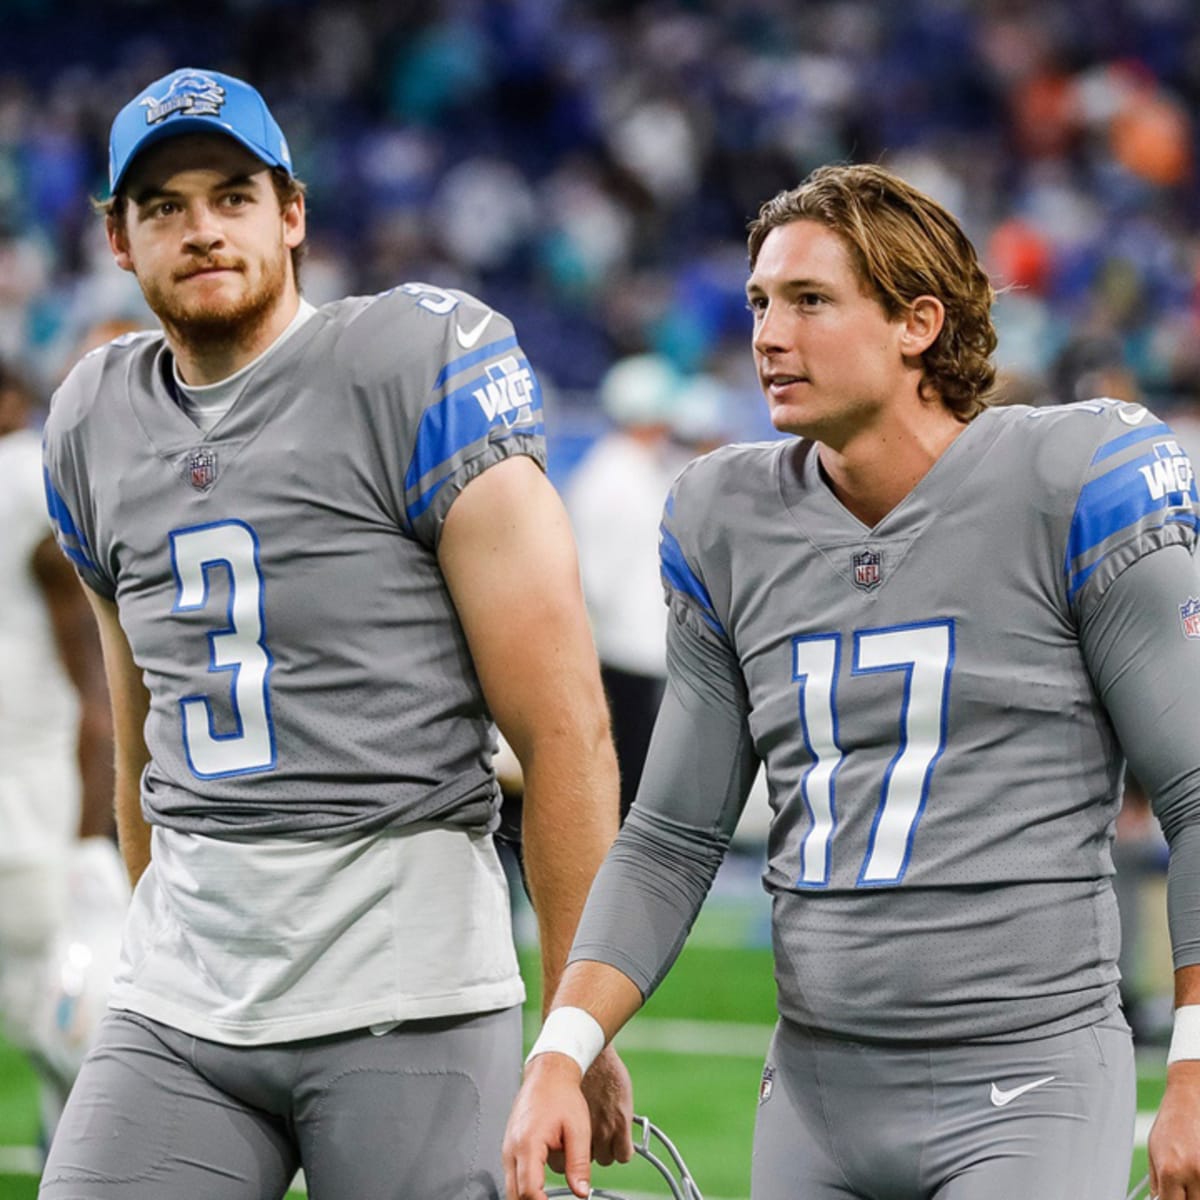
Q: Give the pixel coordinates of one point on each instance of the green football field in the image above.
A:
(695, 1053)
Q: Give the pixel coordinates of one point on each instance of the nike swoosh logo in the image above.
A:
(1131, 414)
(468, 337)
(1001, 1098)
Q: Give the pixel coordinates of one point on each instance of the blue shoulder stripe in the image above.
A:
(680, 576)
(506, 393)
(458, 365)
(70, 539)
(1158, 429)
(1121, 498)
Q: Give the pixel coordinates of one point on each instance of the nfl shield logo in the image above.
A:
(202, 469)
(768, 1084)
(867, 573)
(1189, 614)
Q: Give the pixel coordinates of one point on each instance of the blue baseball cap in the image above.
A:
(195, 101)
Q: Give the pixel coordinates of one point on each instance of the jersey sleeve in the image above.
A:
(697, 776)
(1142, 648)
(478, 400)
(688, 595)
(1137, 495)
(66, 482)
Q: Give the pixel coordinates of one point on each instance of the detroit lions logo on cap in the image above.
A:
(195, 94)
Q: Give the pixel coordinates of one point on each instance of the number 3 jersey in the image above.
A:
(320, 779)
(937, 702)
(277, 578)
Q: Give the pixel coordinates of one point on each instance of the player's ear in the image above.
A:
(118, 240)
(294, 221)
(922, 323)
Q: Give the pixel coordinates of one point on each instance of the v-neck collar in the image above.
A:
(824, 518)
(171, 431)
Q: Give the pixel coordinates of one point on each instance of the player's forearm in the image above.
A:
(508, 559)
(592, 1004)
(647, 896)
(1183, 900)
(133, 834)
(130, 705)
(609, 995)
(1183, 1057)
(1187, 986)
(570, 820)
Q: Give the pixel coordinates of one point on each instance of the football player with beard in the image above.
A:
(323, 554)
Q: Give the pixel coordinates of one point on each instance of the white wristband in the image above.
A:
(1185, 1040)
(573, 1032)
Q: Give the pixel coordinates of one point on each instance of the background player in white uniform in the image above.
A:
(322, 551)
(614, 499)
(56, 819)
(938, 625)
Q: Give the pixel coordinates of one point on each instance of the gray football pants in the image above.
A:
(415, 1114)
(1050, 1119)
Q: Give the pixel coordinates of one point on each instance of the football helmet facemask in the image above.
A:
(657, 1149)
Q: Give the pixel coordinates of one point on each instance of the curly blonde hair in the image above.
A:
(903, 244)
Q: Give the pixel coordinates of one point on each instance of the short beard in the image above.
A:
(204, 328)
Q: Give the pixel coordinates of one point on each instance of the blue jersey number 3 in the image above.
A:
(237, 648)
(925, 654)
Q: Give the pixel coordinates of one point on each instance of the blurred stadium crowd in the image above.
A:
(589, 168)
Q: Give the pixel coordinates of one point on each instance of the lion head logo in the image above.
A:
(191, 93)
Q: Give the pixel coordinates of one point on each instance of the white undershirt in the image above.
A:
(246, 941)
(208, 403)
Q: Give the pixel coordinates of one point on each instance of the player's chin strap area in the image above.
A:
(675, 1172)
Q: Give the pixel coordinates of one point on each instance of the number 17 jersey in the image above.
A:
(943, 773)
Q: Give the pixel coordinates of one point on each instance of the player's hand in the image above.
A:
(549, 1123)
(1175, 1138)
(609, 1094)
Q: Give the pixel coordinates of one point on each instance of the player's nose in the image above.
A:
(202, 229)
(770, 335)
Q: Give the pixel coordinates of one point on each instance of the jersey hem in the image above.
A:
(1098, 1013)
(490, 998)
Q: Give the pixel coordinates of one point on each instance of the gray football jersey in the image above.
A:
(277, 578)
(943, 773)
